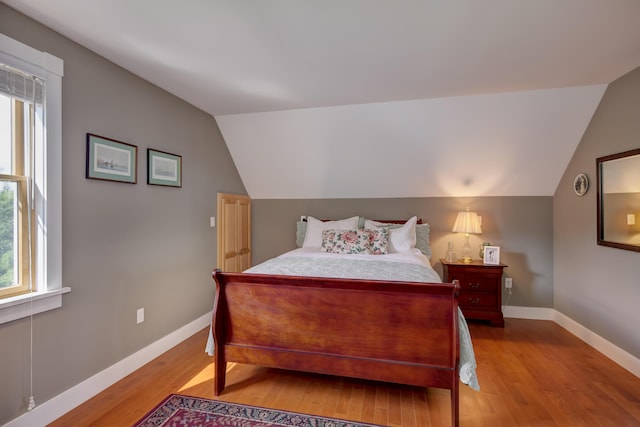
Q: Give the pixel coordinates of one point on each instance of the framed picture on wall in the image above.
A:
(491, 255)
(164, 168)
(111, 160)
(581, 184)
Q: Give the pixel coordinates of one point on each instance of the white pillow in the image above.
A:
(313, 237)
(401, 239)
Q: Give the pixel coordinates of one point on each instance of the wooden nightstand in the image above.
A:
(480, 289)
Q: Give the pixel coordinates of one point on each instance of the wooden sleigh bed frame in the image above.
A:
(397, 332)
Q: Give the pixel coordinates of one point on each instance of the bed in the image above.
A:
(383, 317)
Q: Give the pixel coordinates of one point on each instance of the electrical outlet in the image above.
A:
(140, 315)
(212, 221)
(303, 218)
(508, 283)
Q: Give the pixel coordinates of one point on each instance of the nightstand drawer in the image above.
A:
(478, 282)
(479, 300)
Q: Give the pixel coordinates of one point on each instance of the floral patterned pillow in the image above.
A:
(346, 241)
(378, 240)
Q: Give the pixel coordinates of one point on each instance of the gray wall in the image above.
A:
(521, 226)
(124, 246)
(598, 286)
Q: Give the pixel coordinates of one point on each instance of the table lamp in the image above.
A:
(467, 222)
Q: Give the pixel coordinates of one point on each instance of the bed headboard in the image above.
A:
(386, 221)
(396, 221)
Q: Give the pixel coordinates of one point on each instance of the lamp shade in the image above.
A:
(467, 222)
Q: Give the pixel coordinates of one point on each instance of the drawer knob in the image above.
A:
(474, 285)
(474, 300)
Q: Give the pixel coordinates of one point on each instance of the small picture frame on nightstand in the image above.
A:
(491, 255)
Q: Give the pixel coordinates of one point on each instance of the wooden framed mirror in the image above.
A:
(618, 177)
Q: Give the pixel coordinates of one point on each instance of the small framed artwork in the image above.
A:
(164, 168)
(111, 160)
(581, 184)
(491, 255)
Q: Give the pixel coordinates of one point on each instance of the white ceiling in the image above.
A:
(375, 98)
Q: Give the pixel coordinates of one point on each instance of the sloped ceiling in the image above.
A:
(375, 98)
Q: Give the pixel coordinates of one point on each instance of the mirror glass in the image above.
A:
(619, 200)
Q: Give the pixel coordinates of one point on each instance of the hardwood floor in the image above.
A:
(532, 373)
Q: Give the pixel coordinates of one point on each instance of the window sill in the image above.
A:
(20, 306)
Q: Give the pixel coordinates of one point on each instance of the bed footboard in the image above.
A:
(399, 332)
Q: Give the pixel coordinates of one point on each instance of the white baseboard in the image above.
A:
(613, 352)
(531, 313)
(53, 409)
(56, 407)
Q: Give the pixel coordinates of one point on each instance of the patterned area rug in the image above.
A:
(185, 411)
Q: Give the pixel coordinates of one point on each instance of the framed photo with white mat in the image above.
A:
(491, 255)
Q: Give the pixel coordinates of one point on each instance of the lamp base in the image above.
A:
(466, 250)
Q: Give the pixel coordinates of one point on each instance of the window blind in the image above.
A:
(17, 84)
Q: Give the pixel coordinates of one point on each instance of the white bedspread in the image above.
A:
(409, 267)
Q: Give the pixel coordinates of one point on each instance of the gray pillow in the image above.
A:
(301, 230)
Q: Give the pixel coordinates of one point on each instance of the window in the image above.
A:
(30, 180)
(21, 121)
